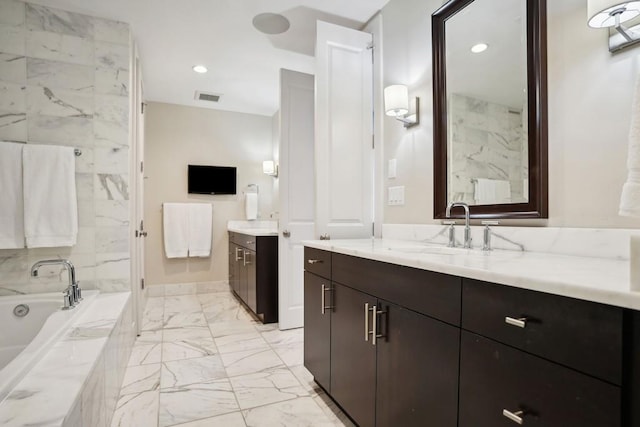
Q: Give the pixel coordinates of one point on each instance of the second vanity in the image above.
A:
(417, 335)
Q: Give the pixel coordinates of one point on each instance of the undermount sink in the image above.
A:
(436, 250)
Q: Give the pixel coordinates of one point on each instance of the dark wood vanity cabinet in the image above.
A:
(253, 273)
(452, 351)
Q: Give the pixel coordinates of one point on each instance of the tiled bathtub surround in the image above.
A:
(588, 242)
(77, 383)
(64, 80)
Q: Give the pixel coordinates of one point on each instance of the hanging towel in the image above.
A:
(175, 218)
(50, 203)
(12, 206)
(200, 218)
(251, 206)
(630, 198)
(492, 191)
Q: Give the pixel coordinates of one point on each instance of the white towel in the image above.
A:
(175, 219)
(200, 218)
(492, 191)
(12, 206)
(251, 206)
(630, 198)
(50, 203)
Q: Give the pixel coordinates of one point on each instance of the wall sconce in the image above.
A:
(396, 104)
(270, 168)
(611, 14)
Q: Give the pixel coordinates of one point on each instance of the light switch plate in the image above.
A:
(396, 196)
(392, 169)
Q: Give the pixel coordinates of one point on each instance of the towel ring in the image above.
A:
(77, 152)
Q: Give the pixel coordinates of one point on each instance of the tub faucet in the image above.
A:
(467, 229)
(73, 293)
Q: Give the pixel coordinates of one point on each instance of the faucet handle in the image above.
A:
(486, 244)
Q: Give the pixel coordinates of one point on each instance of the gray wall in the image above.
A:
(64, 80)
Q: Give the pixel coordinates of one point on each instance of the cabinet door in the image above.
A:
(317, 328)
(417, 370)
(495, 378)
(353, 360)
(249, 263)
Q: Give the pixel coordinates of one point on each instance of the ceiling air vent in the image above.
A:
(210, 97)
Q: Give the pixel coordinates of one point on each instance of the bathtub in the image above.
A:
(25, 340)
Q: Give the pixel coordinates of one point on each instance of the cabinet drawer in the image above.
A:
(246, 241)
(495, 377)
(318, 262)
(433, 294)
(582, 335)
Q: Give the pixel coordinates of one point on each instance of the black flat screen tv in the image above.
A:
(211, 179)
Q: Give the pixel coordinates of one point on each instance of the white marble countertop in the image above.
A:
(588, 278)
(254, 228)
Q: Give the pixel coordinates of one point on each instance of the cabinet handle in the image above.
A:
(249, 242)
(366, 321)
(314, 261)
(375, 333)
(238, 257)
(516, 417)
(520, 322)
(244, 258)
(322, 299)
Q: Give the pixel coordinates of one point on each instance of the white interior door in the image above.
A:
(297, 197)
(344, 133)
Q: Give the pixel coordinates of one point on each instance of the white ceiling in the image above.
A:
(174, 35)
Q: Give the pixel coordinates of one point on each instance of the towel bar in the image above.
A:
(77, 152)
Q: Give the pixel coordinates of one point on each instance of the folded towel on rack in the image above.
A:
(50, 202)
(492, 191)
(251, 206)
(12, 206)
(200, 226)
(175, 219)
(630, 197)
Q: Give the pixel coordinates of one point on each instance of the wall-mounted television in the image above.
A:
(211, 179)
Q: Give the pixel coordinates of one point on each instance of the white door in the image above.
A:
(137, 129)
(344, 133)
(297, 196)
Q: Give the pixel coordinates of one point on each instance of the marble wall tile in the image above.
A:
(85, 186)
(111, 186)
(112, 213)
(110, 134)
(110, 55)
(113, 266)
(12, 97)
(40, 18)
(58, 102)
(13, 68)
(60, 75)
(93, 398)
(13, 126)
(12, 39)
(59, 47)
(112, 285)
(112, 81)
(112, 160)
(112, 108)
(111, 31)
(12, 12)
(74, 131)
(112, 239)
(85, 162)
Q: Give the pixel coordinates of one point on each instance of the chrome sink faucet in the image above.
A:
(467, 229)
(73, 293)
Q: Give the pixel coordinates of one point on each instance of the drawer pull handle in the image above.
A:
(366, 321)
(516, 417)
(314, 261)
(520, 322)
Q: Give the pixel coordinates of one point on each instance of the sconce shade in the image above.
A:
(600, 12)
(396, 100)
(269, 168)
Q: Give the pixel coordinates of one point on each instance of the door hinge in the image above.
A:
(142, 283)
(142, 105)
(373, 141)
(141, 167)
(373, 228)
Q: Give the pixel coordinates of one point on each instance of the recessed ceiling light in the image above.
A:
(480, 47)
(271, 23)
(200, 69)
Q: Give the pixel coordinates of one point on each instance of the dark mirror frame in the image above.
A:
(537, 205)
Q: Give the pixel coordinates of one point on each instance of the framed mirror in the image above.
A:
(490, 108)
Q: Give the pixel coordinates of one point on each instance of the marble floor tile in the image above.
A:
(278, 337)
(221, 328)
(141, 378)
(234, 419)
(189, 371)
(292, 354)
(263, 388)
(264, 327)
(241, 342)
(188, 342)
(140, 410)
(182, 303)
(154, 302)
(306, 379)
(196, 401)
(331, 410)
(145, 353)
(300, 412)
(251, 361)
(153, 319)
(184, 319)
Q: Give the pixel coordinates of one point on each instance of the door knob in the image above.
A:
(286, 233)
(143, 233)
